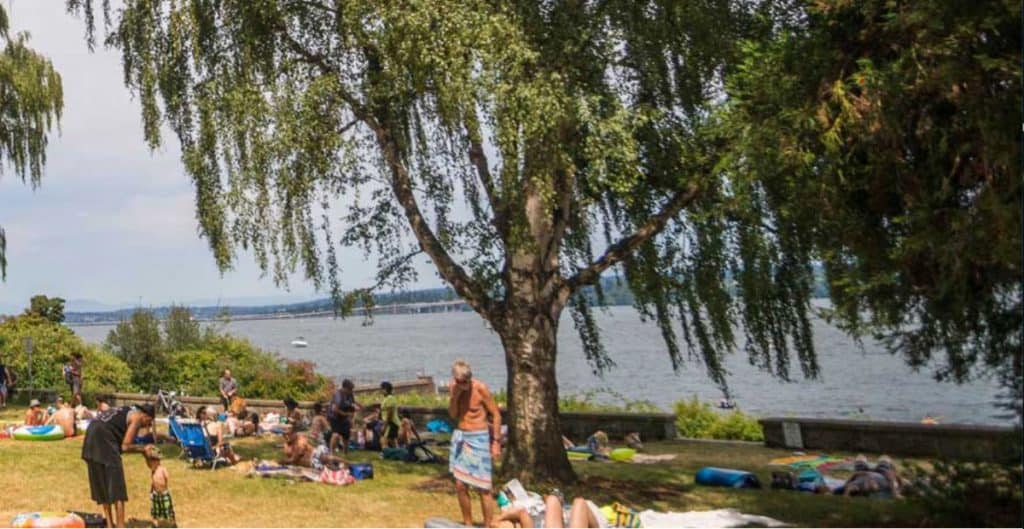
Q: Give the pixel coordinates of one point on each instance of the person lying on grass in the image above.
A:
(582, 514)
(299, 452)
(866, 480)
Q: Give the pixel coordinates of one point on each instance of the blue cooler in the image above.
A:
(361, 470)
(727, 477)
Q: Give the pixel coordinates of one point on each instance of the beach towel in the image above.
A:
(822, 463)
(470, 458)
(649, 459)
(701, 519)
(339, 477)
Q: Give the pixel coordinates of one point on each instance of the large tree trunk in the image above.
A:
(534, 452)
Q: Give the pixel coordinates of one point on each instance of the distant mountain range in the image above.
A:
(616, 292)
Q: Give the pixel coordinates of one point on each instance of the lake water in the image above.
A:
(854, 382)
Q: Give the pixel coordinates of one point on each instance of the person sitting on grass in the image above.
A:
(320, 427)
(298, 452)
(215, 433)
(65, 418)
(35, 415)
(161, 507)
(406, 430)
(292, 414)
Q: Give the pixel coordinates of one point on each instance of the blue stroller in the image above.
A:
(195, 446)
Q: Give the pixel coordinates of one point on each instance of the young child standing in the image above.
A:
(161, 506)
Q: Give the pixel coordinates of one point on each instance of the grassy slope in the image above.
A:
(50, 475)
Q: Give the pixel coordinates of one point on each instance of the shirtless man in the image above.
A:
(65, 418)
(298, 451)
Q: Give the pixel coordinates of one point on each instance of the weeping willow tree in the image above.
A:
(525, 148)
(888, 133)
(31, 100)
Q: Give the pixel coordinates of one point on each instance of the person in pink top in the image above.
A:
(475, 441)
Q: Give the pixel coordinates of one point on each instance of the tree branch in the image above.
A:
(401, 185)
(621, 249)
(479, 159)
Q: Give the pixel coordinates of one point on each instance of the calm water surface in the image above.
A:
(854, 382)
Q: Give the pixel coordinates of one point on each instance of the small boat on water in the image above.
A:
(726, 404)
(300, 342)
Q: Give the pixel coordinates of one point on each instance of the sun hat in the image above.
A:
(33, 403)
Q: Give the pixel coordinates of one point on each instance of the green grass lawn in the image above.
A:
(51, 476)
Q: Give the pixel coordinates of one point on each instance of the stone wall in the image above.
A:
(947, 441)
(576, 425)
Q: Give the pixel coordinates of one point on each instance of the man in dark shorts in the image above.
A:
(110, 434)
(343, 407)
(5, 383)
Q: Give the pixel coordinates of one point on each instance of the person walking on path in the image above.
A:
(109, 435)
(343, 408)
(475, 444)
(228, 389)
(77, 363)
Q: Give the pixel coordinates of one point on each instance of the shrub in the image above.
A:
(970, 494)
(694, 419)
(53, 345)
(698, 420)
(737, 426)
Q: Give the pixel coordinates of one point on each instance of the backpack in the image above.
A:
(417, 452)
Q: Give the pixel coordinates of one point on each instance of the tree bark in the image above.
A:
(534, 453)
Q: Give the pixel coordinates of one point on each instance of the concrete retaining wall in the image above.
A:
(947, 441)
(576, 426)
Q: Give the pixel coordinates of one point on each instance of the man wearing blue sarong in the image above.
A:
(475, 441)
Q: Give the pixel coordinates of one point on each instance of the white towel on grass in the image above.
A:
(702, 519)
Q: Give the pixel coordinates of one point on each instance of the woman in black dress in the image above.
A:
(111, 433)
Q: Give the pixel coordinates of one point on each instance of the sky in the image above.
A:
(114, 224)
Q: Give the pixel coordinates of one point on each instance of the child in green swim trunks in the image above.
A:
(161, 506)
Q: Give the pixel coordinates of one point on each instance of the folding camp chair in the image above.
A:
(195, 446)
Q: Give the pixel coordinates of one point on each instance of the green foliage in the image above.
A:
(53, 345)
(877, 133)
(48, 308)
(181, 330)
(31, 101)
(698, 420)
(970, 494)
(694, 419)
(139, 343)
(181, 356)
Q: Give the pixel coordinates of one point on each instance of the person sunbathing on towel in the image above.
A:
(866, 480)
(299, 452)
(582, 514)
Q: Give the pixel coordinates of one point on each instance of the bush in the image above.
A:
(694, 419)
(179, 356)
(969, 494)
(53, 345)
(698, 420)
